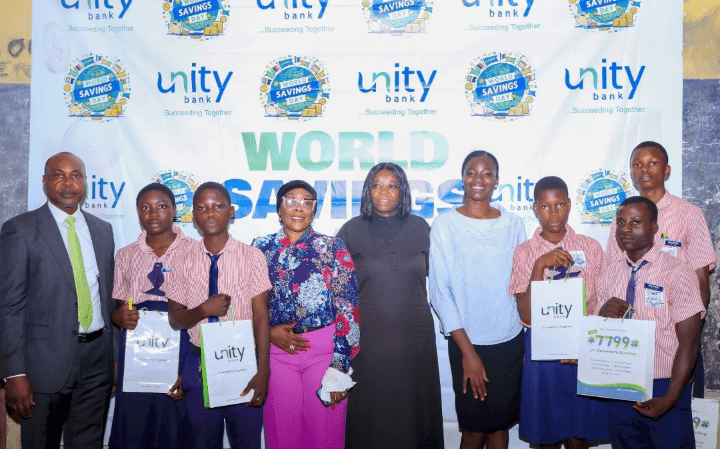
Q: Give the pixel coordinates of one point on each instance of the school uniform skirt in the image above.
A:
(501, 408)
(143, 420)
(551, 410)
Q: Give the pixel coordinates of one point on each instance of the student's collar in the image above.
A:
(230, 245)
(569, 235)
(650, 256)
(665, 200)
(142, 240)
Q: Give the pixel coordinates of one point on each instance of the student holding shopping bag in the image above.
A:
(142, 272)
(645, 283)
(222, 275)
(549, 387)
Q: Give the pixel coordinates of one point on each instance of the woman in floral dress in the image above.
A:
(314, 331)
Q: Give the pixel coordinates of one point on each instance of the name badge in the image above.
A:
(165, 270)
(578, 258)
(672, 250)
(653, 296)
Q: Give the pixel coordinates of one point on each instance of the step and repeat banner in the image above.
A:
(254, 93)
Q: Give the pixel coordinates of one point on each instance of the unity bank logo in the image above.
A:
(196, 19)
(231, 354)
(608, 81)
(97, 87)
(397, 16)
(153, 342)
(295, 87)
(500, 86)
(402, 85)
(183, 186)
(498, 9)
(604, 15)
(557, 311)
(296, 9)
(100, 9)
(600, 194)
(102, 194)
(197, 85)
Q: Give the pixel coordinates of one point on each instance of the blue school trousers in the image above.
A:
(243, 423)
(632, 430)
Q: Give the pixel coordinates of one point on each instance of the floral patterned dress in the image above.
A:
(314, 284)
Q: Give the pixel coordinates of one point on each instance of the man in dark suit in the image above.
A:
(56, 273)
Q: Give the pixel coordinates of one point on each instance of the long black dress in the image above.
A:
(396, 402)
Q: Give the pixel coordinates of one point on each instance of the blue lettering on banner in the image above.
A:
(196, 8)
(294, 5)
(500, 8)
(409, 78)
(591, 5)
(96, 91)
(96, 6)
(610, 78)
(397, 16)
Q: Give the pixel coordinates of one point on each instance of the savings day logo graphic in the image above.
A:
(97, 88)
(604, 15)
(183, 186)
(600, 194)
(500, 86)
(196, 19)
(397, 16)
(295, 87)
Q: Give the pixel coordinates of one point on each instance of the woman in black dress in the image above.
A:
(396, 402)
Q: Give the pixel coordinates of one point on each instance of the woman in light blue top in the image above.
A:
(471, 253)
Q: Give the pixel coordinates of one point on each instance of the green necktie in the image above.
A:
(85, 311)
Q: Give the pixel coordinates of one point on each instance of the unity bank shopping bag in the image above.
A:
(228, 361)
(152, 350)
(616, 358)
(556, 309)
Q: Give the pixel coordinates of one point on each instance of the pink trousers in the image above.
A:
(294, 417)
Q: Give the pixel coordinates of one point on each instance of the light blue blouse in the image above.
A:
(470, 267)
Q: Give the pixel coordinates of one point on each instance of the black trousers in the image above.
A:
(79, 408)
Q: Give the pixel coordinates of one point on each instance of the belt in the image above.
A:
(87, 338)
(195, 349)
(304, 329)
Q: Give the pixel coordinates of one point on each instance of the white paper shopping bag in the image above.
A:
(228, 361)
(152, 351)
(705, 422)
(556, 309)
(616, 358)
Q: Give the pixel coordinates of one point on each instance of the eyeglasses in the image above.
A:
(290, 202)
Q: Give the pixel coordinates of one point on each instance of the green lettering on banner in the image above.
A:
(418, 146)
(257, 157)
(348, 152)
(305, 147)
(386, 145)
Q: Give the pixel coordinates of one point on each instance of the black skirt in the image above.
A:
(501, 408)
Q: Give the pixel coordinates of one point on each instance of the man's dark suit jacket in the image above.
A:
(38, 301)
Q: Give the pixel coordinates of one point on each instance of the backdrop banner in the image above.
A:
(254, 93)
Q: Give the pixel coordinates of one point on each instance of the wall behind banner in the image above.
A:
(700, 133)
